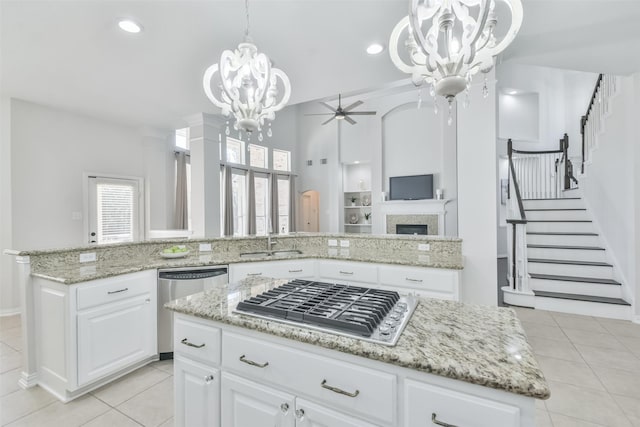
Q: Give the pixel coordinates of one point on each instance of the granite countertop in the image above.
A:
(477, 344)
(76, 273)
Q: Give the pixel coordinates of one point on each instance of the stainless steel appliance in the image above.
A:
(177, 283)
(373, 315)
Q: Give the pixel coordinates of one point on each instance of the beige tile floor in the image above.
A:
(592, 366)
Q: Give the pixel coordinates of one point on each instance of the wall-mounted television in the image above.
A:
(415, 187)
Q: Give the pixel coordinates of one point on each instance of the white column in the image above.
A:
(206, 133)
(477, 213)
(28, 377)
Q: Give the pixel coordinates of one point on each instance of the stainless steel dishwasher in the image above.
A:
(176, 283)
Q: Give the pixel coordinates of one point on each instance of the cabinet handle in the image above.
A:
(284, 408)
(118, 291)
(185, 342)
(300, 414)
(435, 421)
(252, 363)
(346, 272)
(254, 274)
(339, 390)
(409, 279)
(295, 271)
(208, 379)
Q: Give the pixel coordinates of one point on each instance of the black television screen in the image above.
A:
(414, 187)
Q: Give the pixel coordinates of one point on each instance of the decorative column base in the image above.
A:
(521, 299)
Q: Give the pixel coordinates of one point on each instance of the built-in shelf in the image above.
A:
(357, 225)
(357, 207)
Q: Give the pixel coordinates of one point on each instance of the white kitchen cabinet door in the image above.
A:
(199, 389)
(113, 336)
(309, 414)
(245, 403)
(287, 269)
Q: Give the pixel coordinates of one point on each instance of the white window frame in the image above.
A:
(140, 226)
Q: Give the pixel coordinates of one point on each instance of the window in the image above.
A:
(239, 185)
(281, 160)
(262, 203)
(235, 151)
(283, 204)
(114, 214)
(258, 156)
(182, 138)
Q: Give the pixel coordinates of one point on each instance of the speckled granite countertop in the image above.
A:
(76, 273)
(477, 344)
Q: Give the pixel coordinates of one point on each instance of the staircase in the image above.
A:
(567, 263)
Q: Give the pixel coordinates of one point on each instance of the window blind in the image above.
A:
(116, 210)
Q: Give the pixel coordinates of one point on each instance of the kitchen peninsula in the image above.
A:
(66, 303)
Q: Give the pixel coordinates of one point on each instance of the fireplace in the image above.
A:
(411, 229)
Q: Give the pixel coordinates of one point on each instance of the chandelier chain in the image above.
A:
(246, 8)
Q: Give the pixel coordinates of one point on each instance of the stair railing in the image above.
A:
(591, 123)
(517, 233)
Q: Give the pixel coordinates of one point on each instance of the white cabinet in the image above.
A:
(347, 272)
(309, 414)
(245, 403)
(115, 335)
(91, 332)
(421, 281)
(285, 269)
(429, 403)
(200, 386)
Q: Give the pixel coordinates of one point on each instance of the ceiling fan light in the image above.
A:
(130, 26)
(375, 49)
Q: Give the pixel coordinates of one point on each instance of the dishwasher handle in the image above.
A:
(192, 274)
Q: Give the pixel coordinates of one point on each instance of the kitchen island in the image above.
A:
(455, 364)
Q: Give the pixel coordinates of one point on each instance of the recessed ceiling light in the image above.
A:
(512, 92)
(356, 162)
(129, 26)
(375, 48)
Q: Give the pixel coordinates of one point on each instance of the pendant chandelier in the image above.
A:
(245, 85)
(448, 41)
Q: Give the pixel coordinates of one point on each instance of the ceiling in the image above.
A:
(71, 55)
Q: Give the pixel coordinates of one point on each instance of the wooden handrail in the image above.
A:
(583, 119)
(516, 187)
(514, 222)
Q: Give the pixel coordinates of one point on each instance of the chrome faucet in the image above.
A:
(270, 243)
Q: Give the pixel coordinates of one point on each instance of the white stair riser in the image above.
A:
(569, 254)
(571, 270)
(554, 204)
(574, 192)
(567, 227)
(551, 239)
(586, 308)
(565, 214)
(579, 288)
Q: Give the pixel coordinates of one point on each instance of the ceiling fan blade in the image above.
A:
(350, 120)
(321, 114)
(328, 106)
(352, 106)
(361, 113)
(328, 120)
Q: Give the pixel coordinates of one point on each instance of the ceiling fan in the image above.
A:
(343, 113)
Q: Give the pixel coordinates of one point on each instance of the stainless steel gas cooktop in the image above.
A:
(372, 315)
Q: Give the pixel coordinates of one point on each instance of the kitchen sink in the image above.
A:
(271, 254)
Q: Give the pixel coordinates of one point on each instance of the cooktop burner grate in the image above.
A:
(354, 310)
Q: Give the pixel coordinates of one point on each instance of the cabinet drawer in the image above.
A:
(348, 271)
(196, 340)
(426, 281)
(424, 400)
(116, 288)
(276, 269)
(356, 389)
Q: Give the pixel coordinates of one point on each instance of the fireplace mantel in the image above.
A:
(416, 209)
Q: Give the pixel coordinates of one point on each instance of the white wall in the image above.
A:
(519, 116)
(609, 186)
(51, 150)
(477, 214)
(635, 281)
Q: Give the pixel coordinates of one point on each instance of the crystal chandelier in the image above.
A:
(448, 41)
(245, 85)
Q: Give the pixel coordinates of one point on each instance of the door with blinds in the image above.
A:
(114, 210)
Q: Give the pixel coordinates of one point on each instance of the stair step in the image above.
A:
(557, 209)
(570, 262)
(578, 297)
(562, 203)
(586, 248)
(560, 233)
(559, 220)
(574, 279)
(554, 214)
(556, 198)
(550, 283)
(563, 238)
(560, 226)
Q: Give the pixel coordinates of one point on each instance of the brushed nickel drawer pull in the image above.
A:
(252, 363)
(118, 291)
(409, 279)
(185, 342)
(435, 421)
(254, 274)
(346, 272)
(295, 271)
(339, 390)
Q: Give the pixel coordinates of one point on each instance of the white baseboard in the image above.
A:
(636, 319)
(503, 256)
(9, 311)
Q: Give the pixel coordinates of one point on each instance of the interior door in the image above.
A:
(114, 213)
(245, 403)
(310, 209)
